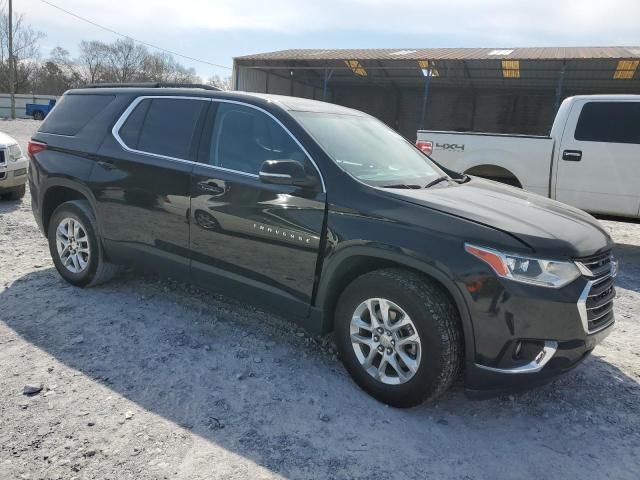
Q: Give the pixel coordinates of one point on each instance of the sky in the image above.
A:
(218, 30)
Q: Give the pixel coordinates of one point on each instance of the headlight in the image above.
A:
(14, 153)
(545, 273)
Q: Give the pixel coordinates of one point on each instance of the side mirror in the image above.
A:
(285, 172)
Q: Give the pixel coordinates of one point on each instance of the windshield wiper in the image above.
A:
(436, 181)
(402, 185)
(464, 178)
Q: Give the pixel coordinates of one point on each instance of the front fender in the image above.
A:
(333, 269)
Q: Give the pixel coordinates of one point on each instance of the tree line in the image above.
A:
(120, 61)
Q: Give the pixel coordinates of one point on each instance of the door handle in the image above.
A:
(572, 155)
(106, 164)
(211, 187)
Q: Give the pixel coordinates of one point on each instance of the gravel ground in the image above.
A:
(149, 379)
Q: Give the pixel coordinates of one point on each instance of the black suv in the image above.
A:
(328, 216)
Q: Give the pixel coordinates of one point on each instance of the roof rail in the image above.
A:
(152, 85)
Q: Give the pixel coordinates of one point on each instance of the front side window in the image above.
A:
(244, 138)
(609, 122)
(369, 150)
(164, 126)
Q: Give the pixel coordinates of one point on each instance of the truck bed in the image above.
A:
(521, 160)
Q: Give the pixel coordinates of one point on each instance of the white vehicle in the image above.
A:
(590, 160)
(13, 169)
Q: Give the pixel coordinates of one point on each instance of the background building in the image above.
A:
(510, 90)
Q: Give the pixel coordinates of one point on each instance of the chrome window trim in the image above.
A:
(223, 169)
(57, 134)
(276, 175)
(125, 115)
(115, 131)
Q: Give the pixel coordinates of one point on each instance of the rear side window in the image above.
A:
(73, 112)
(610, 122)
(163, 126)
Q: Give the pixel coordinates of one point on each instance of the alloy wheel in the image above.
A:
(385, 341)
(72, 243)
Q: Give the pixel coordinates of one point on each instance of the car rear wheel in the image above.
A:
(38, 115)
(75, 247)
(399, 336)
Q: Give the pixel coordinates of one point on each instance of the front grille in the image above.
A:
(598, 304)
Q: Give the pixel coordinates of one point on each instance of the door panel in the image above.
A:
(267, 234)
(599, 176)
(142, 206)
(141, 182)
(262, 236)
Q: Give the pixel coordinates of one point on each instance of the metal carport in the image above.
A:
(504, 90)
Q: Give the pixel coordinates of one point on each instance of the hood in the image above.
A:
(550, 228)
(6, 140)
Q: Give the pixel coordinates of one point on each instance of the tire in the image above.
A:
(96, 269)
(434, 318)
(38, 115)
(17, 194)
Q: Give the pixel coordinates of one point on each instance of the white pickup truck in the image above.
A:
(13, 169)
(591, 159)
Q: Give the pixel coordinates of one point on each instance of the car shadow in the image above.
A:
(250, 383)
(8, 206)
(613, 218)
(628, 257)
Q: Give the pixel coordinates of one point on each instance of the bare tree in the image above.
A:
(220, 82)
(120, 61)
(26, 49)
(93, 60)
(125, 59)
(57, 74)
(162, 67)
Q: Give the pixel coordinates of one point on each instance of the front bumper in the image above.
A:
(13, 174)
(486, 383)
(526, 335)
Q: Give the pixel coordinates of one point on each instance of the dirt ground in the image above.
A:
(149, 379)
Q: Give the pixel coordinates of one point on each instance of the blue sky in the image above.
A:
(218, 30)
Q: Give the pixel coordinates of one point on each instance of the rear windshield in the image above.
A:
(73, 112)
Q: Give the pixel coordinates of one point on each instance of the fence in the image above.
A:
(21, 102)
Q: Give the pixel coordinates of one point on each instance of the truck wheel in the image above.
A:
(398, 335)
(17, 194)
(75, 247)
(38, 115)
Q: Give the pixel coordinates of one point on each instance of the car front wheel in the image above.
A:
(398, 334)
(17, 193)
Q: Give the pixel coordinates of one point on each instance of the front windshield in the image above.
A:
(369, 150)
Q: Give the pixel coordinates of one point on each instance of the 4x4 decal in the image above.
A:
(450, 146)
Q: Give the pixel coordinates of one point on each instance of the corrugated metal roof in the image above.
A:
(541, 53)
